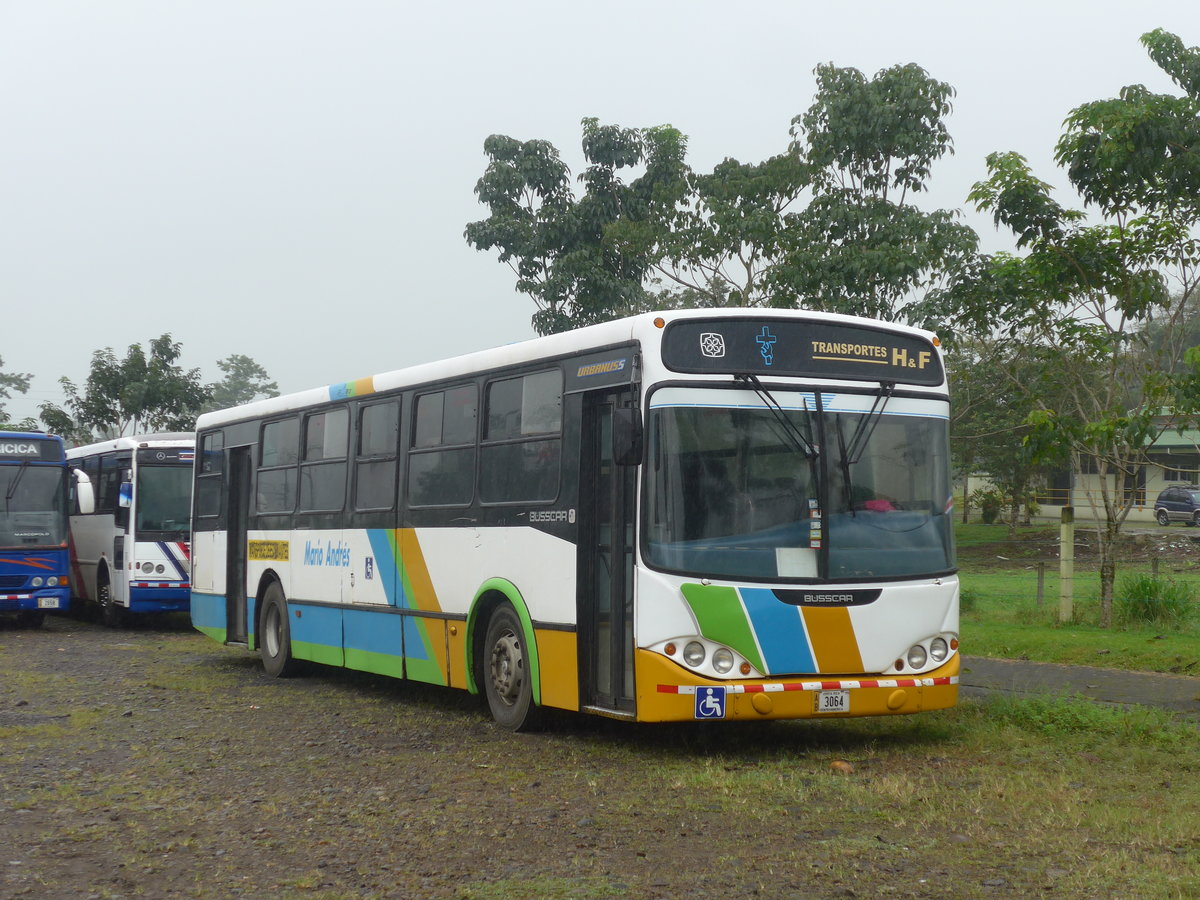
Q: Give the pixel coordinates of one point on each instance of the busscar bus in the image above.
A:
(696, 515)
(130, 552)
(33, 526)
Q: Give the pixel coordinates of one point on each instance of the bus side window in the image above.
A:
(376, 456)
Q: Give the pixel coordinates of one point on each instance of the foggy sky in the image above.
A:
(291, 180)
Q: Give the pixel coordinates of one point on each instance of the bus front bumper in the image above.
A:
(668, 693)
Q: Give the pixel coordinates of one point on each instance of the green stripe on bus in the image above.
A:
(217, 634)
(718, 610)
(377, 663)
(318, 653)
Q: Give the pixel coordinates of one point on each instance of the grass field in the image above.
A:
(1004, 613)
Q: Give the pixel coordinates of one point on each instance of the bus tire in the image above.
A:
(506, 678)
(276, 641)
(110, 613)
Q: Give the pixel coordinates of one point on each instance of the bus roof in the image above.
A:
(136, 442)
(566, 343)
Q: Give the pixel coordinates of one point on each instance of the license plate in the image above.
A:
(833, 701)
(47, 603)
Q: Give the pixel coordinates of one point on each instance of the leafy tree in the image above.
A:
(244, 381)
(142, 392)
(827, 224)
(995, 386)
(10, 382)
(556, 243)
(860, 246)
(1094, 293)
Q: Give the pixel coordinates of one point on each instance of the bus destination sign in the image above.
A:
(32, 449)
(802, 349)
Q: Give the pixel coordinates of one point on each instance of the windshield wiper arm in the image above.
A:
(807, 449)
(12, 488)
(866, 425)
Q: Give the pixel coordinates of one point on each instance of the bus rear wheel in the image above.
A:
(507, 680)
(275, 641)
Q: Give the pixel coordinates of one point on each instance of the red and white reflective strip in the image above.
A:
(15, 596)
(159, 584)
(813, 685)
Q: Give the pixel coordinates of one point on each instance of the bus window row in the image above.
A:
(304, 462)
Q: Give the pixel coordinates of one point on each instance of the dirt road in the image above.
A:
(154, 763)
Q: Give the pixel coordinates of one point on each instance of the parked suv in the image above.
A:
(1178, 503)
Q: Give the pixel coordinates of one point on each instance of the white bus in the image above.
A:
(130, 554)
(707, 514)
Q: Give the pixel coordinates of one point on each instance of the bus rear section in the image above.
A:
(132, 551)
(33, 527)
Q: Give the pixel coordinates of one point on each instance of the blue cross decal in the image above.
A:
(766, 345)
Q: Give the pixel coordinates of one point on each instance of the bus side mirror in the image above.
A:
(627, 436)
(125, 495)
(85, 497)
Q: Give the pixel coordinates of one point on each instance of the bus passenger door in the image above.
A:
(606, 544)
(237, 509)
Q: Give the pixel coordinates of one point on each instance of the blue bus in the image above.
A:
(33, 526)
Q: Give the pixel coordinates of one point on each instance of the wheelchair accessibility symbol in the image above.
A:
(710, 703)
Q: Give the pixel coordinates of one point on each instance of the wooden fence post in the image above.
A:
(1066, 565)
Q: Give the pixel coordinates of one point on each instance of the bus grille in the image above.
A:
(8, 582)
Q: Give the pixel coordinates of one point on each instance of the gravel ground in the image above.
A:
(151, 762)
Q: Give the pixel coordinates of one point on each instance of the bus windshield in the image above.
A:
(164, 501)
(731, 495)
(33, 509)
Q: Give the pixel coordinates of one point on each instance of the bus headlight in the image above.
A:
(938, 649)
(722, 660)
(917, 656)
(36, 581)
(705, 657)
(52, 581)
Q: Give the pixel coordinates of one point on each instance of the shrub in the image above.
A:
(1144, 599)
(989, 502)
(968, 598)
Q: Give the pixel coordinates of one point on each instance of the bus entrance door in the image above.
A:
(238, 485)
(606, 542)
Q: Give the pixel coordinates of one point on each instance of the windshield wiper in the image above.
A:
(866, 425)
(12, 488)
(848, 456)
(806, 447)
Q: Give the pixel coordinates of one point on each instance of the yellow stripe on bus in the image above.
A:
(831, 635)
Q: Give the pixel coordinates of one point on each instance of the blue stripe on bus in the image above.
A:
(320, 625)
(386, 568)
(780, 631)
(208, 610)
(166, 549)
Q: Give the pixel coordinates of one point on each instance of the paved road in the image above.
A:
(1179, 693)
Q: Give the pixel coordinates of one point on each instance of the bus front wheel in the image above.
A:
(507, 680)
(110, 612)
(276, 638)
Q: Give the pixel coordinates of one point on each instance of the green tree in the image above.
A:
(826, 224)
(1095, 292)
(995, 385)
(245, 380)
(861, 246)
(556, 243)
(10, 382)
(142, 392)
